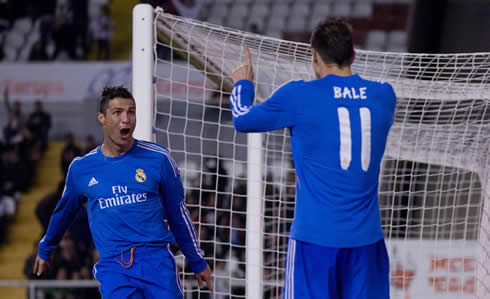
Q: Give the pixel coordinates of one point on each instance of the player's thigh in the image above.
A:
(164, 281)
(114, 285)
(310, 271)
(364, 272)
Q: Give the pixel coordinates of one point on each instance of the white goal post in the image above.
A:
(434, 191)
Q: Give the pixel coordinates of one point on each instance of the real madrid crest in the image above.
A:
(140, 175)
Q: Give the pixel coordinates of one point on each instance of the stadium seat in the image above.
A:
(279, 10)
(22, 25)
(15, 39)
(236, 22)
(10, 54)
(259, 10)
(320, 12)
(276, 24)
(342, 9)
(397, 40)
(218, 20)
(297, 24)
(362, 9)
(321, 8)
(300, 9)
(376, 40)
(218, 10)
(239, 10)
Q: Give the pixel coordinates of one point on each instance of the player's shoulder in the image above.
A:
(158, 151)
(83, 161)
(290, 87)
(153, 149)
(380, 84)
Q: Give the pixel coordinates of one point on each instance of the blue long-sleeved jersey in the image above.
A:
(128, 198)
(339, 127)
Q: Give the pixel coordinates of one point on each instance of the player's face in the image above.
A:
(119, 121)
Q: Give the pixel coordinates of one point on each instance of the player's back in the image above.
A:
(338, 142)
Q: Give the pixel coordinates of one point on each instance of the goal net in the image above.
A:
(434, 184)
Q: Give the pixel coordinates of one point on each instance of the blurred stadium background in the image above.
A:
(56, 56)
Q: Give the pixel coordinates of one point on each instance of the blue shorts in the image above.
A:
(142, 272)
(315, 272)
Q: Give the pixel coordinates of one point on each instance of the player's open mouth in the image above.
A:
(124, 132)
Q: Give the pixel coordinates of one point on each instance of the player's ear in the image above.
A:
(101, 118)
(314, 54)
(353, 56)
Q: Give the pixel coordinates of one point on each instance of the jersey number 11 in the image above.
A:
(346, 138)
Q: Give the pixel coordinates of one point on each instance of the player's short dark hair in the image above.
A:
(332, 39)
(112, 92)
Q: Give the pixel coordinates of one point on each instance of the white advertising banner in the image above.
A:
(433, 269)
(54, 82)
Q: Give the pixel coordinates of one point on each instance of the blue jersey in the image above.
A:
(128, 199)
(338, 126)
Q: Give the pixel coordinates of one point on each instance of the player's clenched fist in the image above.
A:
(245, 71)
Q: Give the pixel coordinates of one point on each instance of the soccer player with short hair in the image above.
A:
(339, 125)
(130, 187)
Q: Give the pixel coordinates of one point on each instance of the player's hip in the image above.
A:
(142, 267)
(359, 272)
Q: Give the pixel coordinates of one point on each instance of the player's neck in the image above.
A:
(335, 70)
(111, 149)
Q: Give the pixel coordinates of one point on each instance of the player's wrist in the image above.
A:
(44, 255)
(243, 82)
(199, 266)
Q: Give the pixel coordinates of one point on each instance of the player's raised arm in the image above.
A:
(245, 71)
(62, 217)
(279, 111)
(180, 223)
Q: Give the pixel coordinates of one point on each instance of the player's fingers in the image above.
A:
(208, 282)
(36, 266)
(248, 57)
(199, 280)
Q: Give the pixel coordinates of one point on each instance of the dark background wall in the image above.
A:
(450, 26)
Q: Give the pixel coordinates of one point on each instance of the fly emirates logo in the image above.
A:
(121, 197)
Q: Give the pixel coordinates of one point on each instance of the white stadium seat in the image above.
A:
(218, 11)
(362, 9)
(260, 10)
(300, 9)
(297, 24)
(239, 10)
(236, 22)
(23, 25)
(276, 24)
(279, 9)
(15, 39)
(376, 40)
(342, 9)
(10, 54)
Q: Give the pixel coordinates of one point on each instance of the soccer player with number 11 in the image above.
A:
(339, 125)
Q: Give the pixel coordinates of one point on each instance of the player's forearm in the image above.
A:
(241, 101)
(186, 237)
(61, 219)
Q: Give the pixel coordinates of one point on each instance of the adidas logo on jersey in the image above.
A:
(92, 182)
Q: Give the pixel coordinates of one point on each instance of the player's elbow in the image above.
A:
(240, 125)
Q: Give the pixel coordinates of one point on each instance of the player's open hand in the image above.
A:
(205, 275)
(40, 266)
(245, 71)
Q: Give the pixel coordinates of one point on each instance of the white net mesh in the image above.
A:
(435, 177)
